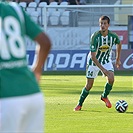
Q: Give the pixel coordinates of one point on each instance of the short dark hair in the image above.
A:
(105, 18)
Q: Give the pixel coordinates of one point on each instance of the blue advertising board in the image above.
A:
(62, 60)
(75, 60)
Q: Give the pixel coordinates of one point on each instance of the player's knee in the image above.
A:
(88, 86)
(111, 80)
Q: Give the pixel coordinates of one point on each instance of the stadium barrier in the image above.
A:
(75, 60)
(70, 34)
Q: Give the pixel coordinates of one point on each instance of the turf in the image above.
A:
(62, 94)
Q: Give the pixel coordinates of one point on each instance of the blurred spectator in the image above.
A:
(37, 1)
(64, 1)
(27, 1)
(58, 1)
(82, 2)
(47, 1)
(74, 2)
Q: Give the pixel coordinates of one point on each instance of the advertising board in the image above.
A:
(75, 60)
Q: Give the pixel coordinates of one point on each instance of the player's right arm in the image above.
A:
(94, 59)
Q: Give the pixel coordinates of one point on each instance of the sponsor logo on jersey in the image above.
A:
(92, 47)
(104, 48)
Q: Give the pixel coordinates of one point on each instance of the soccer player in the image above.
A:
(21, 101)
(99, 59)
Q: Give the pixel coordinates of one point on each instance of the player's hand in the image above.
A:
(118, 63)
(37, 74)
(105, 72)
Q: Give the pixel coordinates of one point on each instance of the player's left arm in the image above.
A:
(118, 55)
(42, 51)
(44, 44)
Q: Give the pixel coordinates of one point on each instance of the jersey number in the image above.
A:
(90, 73)
(11, 41)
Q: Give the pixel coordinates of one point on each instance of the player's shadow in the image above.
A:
(129, 112)
(97, 111)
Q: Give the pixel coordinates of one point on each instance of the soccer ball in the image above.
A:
(121, 106)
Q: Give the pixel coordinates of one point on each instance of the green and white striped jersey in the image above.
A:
(102, 46)
(16, 79)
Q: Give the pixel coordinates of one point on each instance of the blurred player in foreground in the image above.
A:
(21, 101)
(99, 59)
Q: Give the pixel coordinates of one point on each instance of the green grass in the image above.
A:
(62, 93)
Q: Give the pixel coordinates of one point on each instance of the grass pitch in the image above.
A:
(62, 94)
